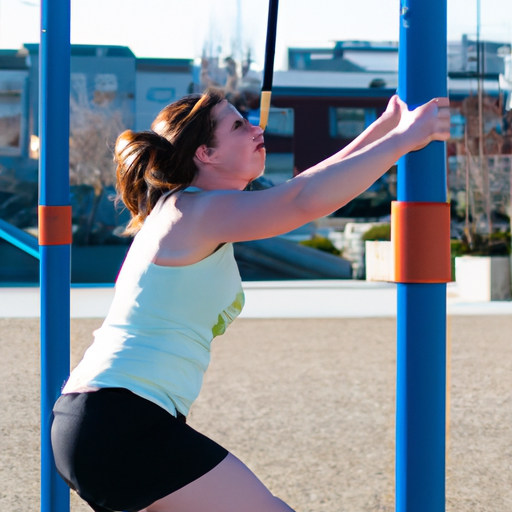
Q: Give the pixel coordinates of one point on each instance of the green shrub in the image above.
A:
(496, 244)
(500, 243)
(459, 248)
(322, 244)
(378, 232)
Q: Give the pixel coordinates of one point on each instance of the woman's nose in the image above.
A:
(256, 131)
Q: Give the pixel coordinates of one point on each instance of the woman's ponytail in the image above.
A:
(144, 164)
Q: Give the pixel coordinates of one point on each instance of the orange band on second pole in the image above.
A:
(421, 241)
(54, 225)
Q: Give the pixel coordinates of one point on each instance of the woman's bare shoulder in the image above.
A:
(178, 233)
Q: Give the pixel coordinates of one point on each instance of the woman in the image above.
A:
(119, 435)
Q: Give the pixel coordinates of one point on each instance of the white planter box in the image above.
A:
(379, 261)
(353, 249)
(483, 278)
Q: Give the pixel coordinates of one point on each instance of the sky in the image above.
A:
(183, 28)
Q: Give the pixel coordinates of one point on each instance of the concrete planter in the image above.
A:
(483, 278)
(354, 246)
(379, 261)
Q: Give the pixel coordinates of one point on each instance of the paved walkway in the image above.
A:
(308, 404)
(269, 299)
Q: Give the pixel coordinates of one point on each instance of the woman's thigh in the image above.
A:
(229, 487)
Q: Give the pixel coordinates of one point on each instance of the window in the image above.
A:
(348, 123)
(161, 94)
(12, 112)
(280, 122)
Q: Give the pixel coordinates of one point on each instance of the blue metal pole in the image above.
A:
(54, 78)
(421, 324)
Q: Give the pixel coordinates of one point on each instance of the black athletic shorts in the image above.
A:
(121, 452)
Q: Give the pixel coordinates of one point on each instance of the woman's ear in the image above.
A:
(204, 154)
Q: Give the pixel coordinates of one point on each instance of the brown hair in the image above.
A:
(150, 163)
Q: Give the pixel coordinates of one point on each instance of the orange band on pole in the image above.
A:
(54, 225)
(421, 241)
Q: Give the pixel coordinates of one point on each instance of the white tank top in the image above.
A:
(156, 338)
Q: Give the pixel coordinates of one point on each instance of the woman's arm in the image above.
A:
(231, 216)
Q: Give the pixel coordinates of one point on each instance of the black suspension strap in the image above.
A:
(268, 72)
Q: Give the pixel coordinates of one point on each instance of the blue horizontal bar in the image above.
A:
(19, 238)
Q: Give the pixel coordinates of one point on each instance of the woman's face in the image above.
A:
(240, 151)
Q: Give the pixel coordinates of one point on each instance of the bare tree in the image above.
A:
(93, 131)
(482, 169)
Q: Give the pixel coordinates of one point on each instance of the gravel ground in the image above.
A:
(308, 405)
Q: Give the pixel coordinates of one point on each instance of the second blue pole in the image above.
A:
(421, 324)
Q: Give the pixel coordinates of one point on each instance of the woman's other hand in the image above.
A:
(393, 113)
(427, 123)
